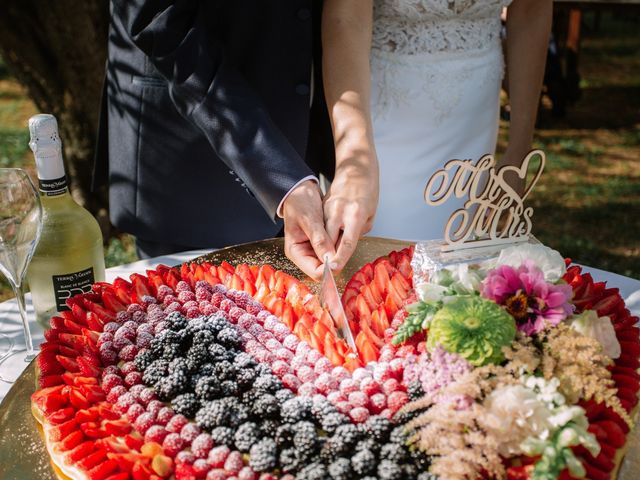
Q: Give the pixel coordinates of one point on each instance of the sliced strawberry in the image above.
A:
(93, 393)
(367, 271)
(609, 414)
(60, 416)
(79, 313)
(50, 399)
(59, 432)
(49, 381)
(87, 415)
(628, 395)
(102, 471)
(104, 314)
(594, 473)
(117, 427)
(57, 323)
(94, 322)
(142, 471)
(228, 267)
(615, 435)
(112, 302)
(631, 334)
(629, 372)
(72, 327)
(106, 412)
(133, 441)
(592, 409)
(79, 452)
(78, 400)
(92, 430)
(404, 265)
(71, 441)
(626, 381)
(50, 335)
(69, 364)
(601, 461)
(87, 368)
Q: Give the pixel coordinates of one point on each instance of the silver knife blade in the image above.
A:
(330, 299)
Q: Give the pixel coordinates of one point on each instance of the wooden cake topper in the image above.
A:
(494, 212)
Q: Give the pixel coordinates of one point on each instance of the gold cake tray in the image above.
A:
(23, 454)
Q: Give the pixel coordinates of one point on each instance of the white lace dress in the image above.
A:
(436, 69)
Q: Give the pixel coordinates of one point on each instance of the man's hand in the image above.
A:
(350, 206)
(305, 239)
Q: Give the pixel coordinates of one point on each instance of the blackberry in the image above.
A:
(284, 435)
(369, 445)
(263, 456)
(305, 440)
(340, 469)
(409, 471)
(332, 421)
(388, 470)
(229, 388)
(398, 435)
(393, 452)
(415, 391)
(313, 471)
(363, 462)
(204, 338)
(244, 360)
(267, 384)
(266, 406)
(223, 436)
(246, 435)
(245, 378)
(213, 414)
(217, 353)
(427, 476)
(322, 408)
(217, 322)
(178, 364)
(143, 359)
(344, 439)
(263, 369)
(378, 428)
(224, 370)
(420, 459)
(208, 388)
(177, 321)
(249, 397)
(295, 410)
(229, 338)
(172, 386)
(283, 394)
(238, 412)
(268, 426)
(186, 404)
(197, 356)
(155, 372)
(288, 460)
(167, 345)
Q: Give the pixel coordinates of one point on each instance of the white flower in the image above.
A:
(450, 281)
(546, 259)
(599, 328)
(514, 413)
(431, 292)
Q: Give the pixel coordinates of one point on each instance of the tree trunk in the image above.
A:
(57, 50)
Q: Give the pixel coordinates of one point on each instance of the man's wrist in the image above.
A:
(280, 210)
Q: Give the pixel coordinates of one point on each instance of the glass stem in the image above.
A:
(31, 352)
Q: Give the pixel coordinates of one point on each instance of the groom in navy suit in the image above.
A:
(216, 126)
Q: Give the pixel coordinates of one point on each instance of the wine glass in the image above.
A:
(20, 226)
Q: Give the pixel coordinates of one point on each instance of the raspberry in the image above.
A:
(323, 365)
(386, 413)
(111, 327)
(297, 361)
(377, 403)
(155, 433)
(139, 316)
(163, 291)
(107, 354)
(193, 312)
(104, 337)
(165, 415)
(226, 305)
(387, 353)
(405, 351)
(173, 307)
(172, 444)
(359, 414)
(185, 457)
(396, 400)
(128, 367)
(284, 354)
(397, 367)
(189, 305)
(154, 407)
(119, 343)
(218, 455)
(217, 298)
(146, 396)
(200, 467)
(265, 356)
(382, 372)
(306, 374)
(110, 370)
(246, 473)
(233, 464)
(281, 332)
(133, 378)
(325, 383)
(160, 326)
(207, 308)
(262, 315)
(168, 300)
(203, 294)
(143, 423)
(110, 381)
(126, 400)
(343, 407)
(303, 348)
(359, 374)
(370, 387)
(182, 286)
(218, 474)
(307, 390)
(134, 412)
(313, 356)
(253, 346)
(115, 393)
(348, 386)
(201, 445)
(265, 336)
(336, 396)
(176, 423)
(144, 339)
(358, 399)
(291, 382)
(273, 345)
(136, 390)
(391, 385)
(189, 432)
(122, 317)
(246, 320)
(254, 308)
(280, 368)
(128, 353)
(340, 373)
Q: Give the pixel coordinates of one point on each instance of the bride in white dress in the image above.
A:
(418, 83)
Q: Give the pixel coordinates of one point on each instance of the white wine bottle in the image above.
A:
(69, 257)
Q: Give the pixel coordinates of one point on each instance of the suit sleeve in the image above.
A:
(214, 96)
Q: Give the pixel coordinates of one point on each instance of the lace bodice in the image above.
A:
(434, 26)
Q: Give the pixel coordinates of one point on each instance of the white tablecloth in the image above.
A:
(10, 319)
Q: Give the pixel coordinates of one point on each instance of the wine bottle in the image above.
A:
(69, 257)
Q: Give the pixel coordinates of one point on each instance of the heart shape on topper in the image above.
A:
(523, 169)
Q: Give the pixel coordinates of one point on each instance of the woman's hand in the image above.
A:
(350, 206)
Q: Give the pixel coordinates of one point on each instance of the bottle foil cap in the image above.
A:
(46, 146)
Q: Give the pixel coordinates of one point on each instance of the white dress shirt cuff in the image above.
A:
(281, 204)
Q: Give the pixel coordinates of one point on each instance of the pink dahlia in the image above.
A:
(525, 294)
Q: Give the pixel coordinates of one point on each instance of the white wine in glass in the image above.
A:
(20, 226)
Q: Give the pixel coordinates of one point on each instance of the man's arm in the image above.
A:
(213, 96)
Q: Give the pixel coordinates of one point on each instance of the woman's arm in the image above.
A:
(528, 30)
(351, 202)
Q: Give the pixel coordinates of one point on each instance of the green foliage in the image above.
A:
(420, 313)
(120, 250)
(14, 145)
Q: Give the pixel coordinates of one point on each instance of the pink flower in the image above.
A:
(525, 294)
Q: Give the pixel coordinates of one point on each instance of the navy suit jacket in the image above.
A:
(208, 120)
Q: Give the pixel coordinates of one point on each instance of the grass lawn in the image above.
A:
(587, 204)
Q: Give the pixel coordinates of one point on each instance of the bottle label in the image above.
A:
(54, 187)
(66, 286)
